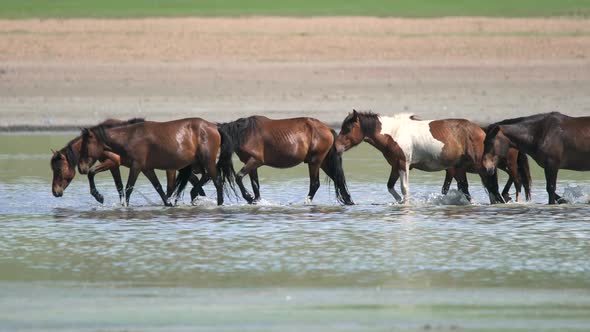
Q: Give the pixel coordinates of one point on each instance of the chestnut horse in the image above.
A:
(191, 144)
(554, 140)
(64, 161)
(258, 140)
(408, 143)
(516, 165)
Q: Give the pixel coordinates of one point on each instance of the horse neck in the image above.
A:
(117, 138)
(377, 137)
(520, 134)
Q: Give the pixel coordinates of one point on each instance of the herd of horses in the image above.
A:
(198, 151)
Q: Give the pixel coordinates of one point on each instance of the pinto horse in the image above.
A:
(516, 165)
(191, 144)
(258, 140)
(554, 140)
(407, 142)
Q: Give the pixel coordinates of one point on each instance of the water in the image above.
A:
(71, 264)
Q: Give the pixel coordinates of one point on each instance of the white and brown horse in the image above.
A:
(556, 141)
(407, 142)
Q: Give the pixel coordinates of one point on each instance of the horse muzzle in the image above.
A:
(57, 192)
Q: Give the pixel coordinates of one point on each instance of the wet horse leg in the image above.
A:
(151, 175)
(116, 173)
(314, 181)
(490, 182)
(170, 180)
(506, 190)
(198, 185)
(106, 165)
(551, 178)
(393, 176)
(449, 175)
(131, 179)
(255, 184)
(462, 184)
(404, 175)
(251, 165)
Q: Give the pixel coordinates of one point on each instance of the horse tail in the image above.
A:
(225, 165)
(181, 180)
(524, 173)
(333, 167)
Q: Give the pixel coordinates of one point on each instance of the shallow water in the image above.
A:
(73, 264)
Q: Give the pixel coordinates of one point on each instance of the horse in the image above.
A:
(188, 145)
(516, 165)
(258, 140)
(407, 142)
(64, 161)
(554, 140)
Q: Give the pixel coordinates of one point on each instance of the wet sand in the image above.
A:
(58, 74)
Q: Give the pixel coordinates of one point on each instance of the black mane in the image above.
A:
(368, 122)
(72, 156)
(239, 130)
(523, 119)
(100, 130)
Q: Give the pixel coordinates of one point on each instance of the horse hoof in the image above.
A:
(99, 198)
(562, 201)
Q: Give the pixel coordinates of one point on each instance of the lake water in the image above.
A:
(71, 264)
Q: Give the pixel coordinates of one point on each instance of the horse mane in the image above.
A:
(239, 130)
(368, 121)
(530, 118)
(100, 130)
(72, 156)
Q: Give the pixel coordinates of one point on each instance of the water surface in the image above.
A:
(72, 264)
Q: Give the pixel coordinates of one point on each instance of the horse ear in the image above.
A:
(355, 114)
(52, 151)
(493, 131)
(84, 131)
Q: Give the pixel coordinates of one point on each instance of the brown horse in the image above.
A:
(187, 144)
(408, 143)
(516, 165)
(554, 140)
(64, 161)
(258, 140)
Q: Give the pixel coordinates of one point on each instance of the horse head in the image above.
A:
(351, 134)
(495, 147)
(91, 149)
(64, 171)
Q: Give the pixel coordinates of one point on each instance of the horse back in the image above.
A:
(461, 138)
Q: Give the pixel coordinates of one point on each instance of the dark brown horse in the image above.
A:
(64, 162)
(258, 140)
(516, 165)
(554, 140)
(189, 145)
(408, 143)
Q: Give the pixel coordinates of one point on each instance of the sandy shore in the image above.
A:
(67, 73)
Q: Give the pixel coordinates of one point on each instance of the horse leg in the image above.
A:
(251, 165)
(170, 179)
(151, 175)
(490, 182)
(314, 181)
(462, 184)
(405, 183)
(93, 191)
(116, 173)
(551, 178)
(198, 185)
(449, 175)
(131, 179)
(255, 184)
(506, 190)
(393, 176)
(106, 165)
